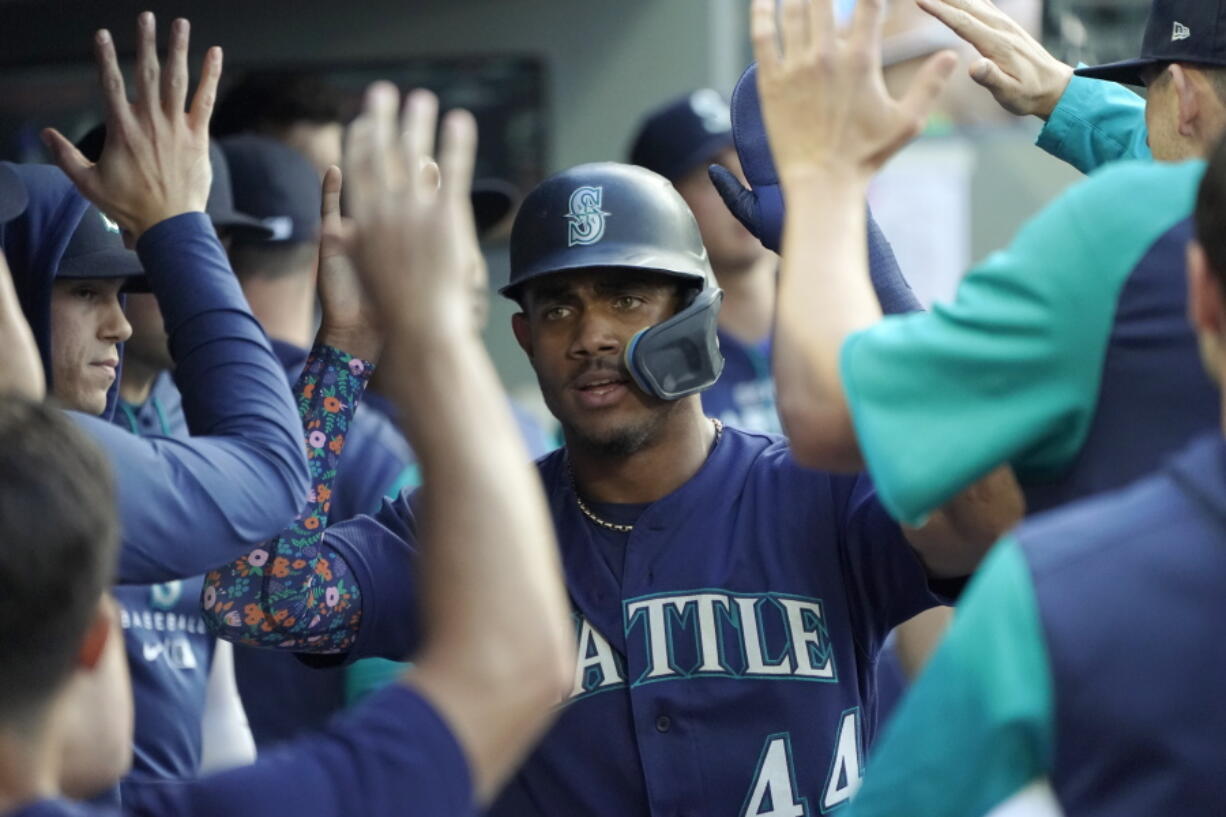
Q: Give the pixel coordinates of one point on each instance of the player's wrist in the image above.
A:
(1061, 76)
(816, 181)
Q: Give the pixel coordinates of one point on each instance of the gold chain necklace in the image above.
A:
(613, 526)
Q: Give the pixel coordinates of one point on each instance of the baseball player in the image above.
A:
(442, 740)
(1047, 672)
(728, 604)
(248, 476)
(1068, 355)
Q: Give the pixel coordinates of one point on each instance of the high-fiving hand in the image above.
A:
(349, 319)
(1019, 72)
(823, 94)
(155, 163)
(416, 246)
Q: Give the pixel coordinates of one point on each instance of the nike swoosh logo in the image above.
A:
(153, 651)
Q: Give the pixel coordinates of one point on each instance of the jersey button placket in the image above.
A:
(664, 723)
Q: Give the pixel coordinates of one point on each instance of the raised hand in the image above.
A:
(155, 163)
(823, 95)
(1023, 77)
(349, 321)
(416, 246)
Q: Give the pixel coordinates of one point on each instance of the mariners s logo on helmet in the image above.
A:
(585, 216)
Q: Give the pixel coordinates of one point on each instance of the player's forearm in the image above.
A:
(314, 604)
(959, 534)
(824, 296)
(496, 619)
(20, 371)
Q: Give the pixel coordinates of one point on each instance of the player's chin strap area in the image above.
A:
(680, 356)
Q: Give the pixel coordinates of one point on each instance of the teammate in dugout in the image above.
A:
(1017, 691)
(1081, 321)
(248, 475)
(729, 604)
(442, 740)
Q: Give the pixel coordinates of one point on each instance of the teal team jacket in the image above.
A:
(1084, 651)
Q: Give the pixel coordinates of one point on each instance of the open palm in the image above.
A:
(823, 94)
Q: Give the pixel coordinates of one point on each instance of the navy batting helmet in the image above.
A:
(608, 215)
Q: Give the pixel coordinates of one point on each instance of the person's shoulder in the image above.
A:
(760, 446)
(770, 454)
(1096, 233)
(1139, 187)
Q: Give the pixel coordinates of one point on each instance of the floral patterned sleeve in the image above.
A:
(293, 592)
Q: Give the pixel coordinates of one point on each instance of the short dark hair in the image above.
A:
(272, 259)
(1210, 214)
(60, 532)
(269, 102)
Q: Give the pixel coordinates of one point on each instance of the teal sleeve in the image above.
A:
(977, 726)
(1095, 123)
(1009, 371)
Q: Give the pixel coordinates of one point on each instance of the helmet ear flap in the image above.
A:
(680, 356)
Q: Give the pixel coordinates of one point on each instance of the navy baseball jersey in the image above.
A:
(726, 647)
(392, 755)
(1086, 652)
(170, 654)
(169, 648)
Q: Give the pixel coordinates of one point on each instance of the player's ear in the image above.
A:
(1187, 99)
(523, 333)
(93, 645)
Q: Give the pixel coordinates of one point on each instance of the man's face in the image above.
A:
(87, 326)
(729, 244)
(575, 327)
(148, 342)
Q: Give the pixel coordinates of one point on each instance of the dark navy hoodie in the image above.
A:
(186, 505)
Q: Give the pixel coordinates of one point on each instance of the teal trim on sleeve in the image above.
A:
(410, 477)
(1095, 123)
(1010, 371)
(978, 725)
(369, 675)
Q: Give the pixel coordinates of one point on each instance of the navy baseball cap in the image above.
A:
(276, 184)
(13, 195)
(220, 206)
(683, 134)
(492, 199)
(96, 250)
(1191, 31)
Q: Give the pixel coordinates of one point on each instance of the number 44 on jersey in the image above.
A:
(774, 792)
